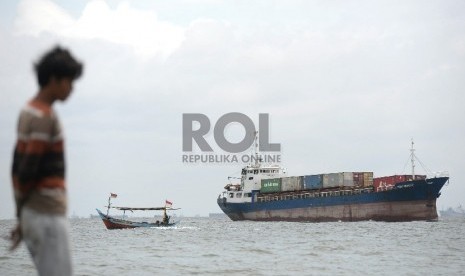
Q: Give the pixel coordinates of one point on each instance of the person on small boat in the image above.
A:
(166, 218)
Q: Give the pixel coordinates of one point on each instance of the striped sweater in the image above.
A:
(38, 163)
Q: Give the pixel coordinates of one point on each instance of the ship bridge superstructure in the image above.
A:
(251, 177)
(250, 180)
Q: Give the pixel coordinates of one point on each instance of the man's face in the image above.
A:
(62, 88)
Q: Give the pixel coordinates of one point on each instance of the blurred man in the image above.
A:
(38, 170)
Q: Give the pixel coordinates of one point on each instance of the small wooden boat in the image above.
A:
(117, 223)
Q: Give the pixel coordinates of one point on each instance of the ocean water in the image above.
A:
(204, 246)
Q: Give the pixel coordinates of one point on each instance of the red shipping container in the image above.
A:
(384, 182)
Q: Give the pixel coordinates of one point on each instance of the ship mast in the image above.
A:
(257, 161)
(412, 159)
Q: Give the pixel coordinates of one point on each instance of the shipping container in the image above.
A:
(291, 183)
(348, 179)
(402, 178)
(392, 180)
(384, 181)
(312, 182)
(333, 180)
(363, 179)
(408, 177)
(380, 183)
(367, 179)
(271, 185)
(359, 179)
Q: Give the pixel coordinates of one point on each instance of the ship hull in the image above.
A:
(408, 201)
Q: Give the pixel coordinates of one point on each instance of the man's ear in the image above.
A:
(52, 80)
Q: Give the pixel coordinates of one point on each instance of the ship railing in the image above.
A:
(293, 196)
(366, 190)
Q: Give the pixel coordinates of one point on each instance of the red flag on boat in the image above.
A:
(112, 195)
(168, 203)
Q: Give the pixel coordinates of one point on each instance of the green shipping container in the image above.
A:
(271, 185)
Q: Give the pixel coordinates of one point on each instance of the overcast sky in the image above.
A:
(347, 85)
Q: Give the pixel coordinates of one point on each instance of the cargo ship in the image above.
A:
(266, 193)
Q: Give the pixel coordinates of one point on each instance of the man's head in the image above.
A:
(57, 70)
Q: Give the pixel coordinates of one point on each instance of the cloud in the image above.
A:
(35, 17)
(139, 29)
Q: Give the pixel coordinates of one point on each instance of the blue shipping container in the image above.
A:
(313, 182)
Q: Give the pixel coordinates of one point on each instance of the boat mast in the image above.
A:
(108, 209)
(257, 161)
(412, 159)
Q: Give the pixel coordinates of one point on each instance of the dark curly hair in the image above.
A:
(58, 63)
